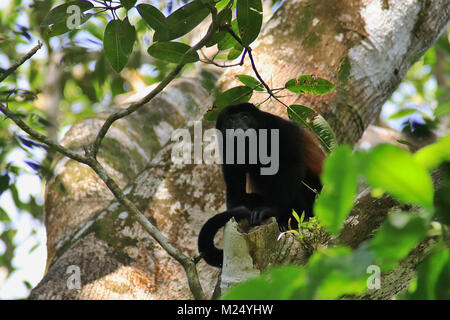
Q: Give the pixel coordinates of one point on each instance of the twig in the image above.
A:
(211, 61)
(13, 68)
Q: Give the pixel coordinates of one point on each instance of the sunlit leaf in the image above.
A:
(339, 181)
(276, 284)
(434, 154)
(402, 113)
(4, 217)
(309, 84)
(234, 53)
(249, 81)
(398, 235)
(442, 109)
(433, 275)
(397, 172)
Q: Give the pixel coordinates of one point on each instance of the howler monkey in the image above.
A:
(293, 183)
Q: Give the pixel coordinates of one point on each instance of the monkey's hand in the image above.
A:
(259, 214)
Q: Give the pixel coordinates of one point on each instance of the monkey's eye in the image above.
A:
(245, 117)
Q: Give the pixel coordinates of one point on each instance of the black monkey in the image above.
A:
(273, 195)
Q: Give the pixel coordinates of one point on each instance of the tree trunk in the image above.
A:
(363, 47)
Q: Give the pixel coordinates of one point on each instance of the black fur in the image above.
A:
(274, 195)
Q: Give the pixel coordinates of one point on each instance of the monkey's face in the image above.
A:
(240, 116)
(240, 120)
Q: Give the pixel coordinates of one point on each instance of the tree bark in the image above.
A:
(361, 46)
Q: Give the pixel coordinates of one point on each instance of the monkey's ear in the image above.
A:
(314, 154)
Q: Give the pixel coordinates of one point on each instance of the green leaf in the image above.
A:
(58, 20)
(397, 172)
(329, 274)
(317, 124)
(184, 20)
(223, 3)
(232, 96)
(118, 42)
(228, 41)
(59, 14)
(172, 52)
(235, 52)
(128, 4)
(434, 154)
(155, 19)
(250, 82)
(442, 109)
(322, 128)
(339, 181)
(276, 284)
(300, 114)
(398, 235)
(430, 57)
(429, 272)
(402, 113)
(4, 217)
(309, 84)
(4, 183)
(249, 17)
(337, 270)
(223, 17)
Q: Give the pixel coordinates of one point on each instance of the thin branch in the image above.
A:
(13, 68)
(42, 138)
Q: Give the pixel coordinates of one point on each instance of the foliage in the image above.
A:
(337, 272)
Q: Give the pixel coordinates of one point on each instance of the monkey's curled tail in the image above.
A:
(212, 255)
